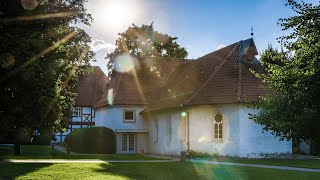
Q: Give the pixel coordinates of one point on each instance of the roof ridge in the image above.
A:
(213, 73)
(240, 71)
(145, 57)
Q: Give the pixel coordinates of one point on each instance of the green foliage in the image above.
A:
(290, 109)
(40, 61)
(144, 41)
(95, 140)
(42, 139)
(195, 154)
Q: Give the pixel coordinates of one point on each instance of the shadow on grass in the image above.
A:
(14, 170)
(190, 171)
(160, 170)
(46, 152)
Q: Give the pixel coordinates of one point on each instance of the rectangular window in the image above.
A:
(129, 116)
(77, 111)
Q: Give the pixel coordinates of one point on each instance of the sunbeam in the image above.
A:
(41, 54)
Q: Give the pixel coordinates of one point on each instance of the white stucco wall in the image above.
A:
(112, 117)
(254, 143)
(167, 134)
(202, 130)
(241, 136)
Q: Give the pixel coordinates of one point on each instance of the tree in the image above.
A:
(41, 55)
(144, 41)
(290, 109)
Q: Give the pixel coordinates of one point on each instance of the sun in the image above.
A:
(115, 14)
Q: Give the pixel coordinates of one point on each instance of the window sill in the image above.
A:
(129, 121)
(217, 141)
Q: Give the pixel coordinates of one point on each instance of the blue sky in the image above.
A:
(201, 26)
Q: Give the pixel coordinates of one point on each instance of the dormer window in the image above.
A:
(129, 116)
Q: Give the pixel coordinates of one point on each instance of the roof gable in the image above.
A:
(90, 87)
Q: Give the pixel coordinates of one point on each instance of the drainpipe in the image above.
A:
(188, 131)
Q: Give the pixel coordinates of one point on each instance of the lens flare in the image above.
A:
(125, 63)
(183, 114)
(7, 60)
(29, 4)
(110, 96)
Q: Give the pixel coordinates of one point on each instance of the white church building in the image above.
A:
(167, 105)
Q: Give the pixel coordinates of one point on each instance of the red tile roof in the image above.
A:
(218, 77)
(141, 85)
(91, 87)
(222, 76)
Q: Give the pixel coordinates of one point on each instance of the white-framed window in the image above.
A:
(77, 111)
(218, 126)
(129, 116)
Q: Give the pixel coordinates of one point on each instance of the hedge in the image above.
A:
(41, 140)
(94, 140)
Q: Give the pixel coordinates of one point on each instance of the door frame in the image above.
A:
(134, 146)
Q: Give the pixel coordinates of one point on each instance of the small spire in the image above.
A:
(251, 31)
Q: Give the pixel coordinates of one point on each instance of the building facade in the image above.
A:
(167, 105)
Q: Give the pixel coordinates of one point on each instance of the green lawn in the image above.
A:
(45, 152)
(305, 163)
(154, 171)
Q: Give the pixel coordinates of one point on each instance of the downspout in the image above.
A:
(188, 132)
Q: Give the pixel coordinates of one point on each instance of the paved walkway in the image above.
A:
(256, 165)
(63, 149)
(80, 161)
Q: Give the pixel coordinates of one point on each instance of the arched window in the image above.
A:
(218, 126)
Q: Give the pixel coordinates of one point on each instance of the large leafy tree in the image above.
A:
(291, 109)
(42, 53)
(144, 41)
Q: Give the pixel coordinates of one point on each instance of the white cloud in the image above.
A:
(221, 46)
(97, 45)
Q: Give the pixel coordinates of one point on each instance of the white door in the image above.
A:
(128, 143)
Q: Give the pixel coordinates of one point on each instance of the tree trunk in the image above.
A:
(295, 145)
(16, 149)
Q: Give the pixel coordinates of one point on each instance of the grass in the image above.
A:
(154, 171)
(45, 152)
(304, 163)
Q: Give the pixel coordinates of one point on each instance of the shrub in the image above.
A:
(94, 140)
(195, 154)
(41, 140)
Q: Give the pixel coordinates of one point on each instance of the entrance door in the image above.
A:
(128, 143)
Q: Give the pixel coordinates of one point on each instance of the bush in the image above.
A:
(195, 154)
(41, 140)
(94, 140)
